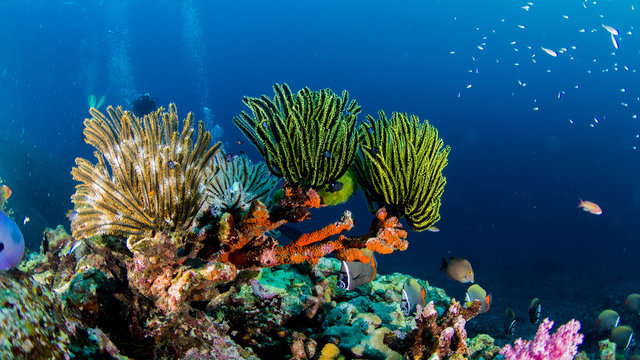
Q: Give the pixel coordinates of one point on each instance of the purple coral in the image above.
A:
(562, 345)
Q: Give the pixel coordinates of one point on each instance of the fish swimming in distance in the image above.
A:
(590, 207)
(457, 269)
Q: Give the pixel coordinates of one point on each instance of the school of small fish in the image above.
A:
(590, 42)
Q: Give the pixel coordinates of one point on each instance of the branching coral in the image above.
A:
(562, 345)
(400, 167)
(444, 336)
(309, 138)
(148, 177)
(245, 244)
(236, 182)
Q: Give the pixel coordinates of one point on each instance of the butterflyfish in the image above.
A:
(607, 320)
(509, 322)
(476, 292)
(355, 273)
(622, 336)
(632, 303)
(534, 310)
(457, 269)
(590, 207)
(413, 294)
(11, 243)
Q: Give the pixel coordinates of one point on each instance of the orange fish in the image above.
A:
(5, 192)
(591, 207)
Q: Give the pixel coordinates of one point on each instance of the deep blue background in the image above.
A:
(514, 174)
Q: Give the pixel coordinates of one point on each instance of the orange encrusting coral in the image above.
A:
(254, 224)
(332, 229)
(389, 235)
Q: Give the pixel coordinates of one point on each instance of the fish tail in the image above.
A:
(444, 264)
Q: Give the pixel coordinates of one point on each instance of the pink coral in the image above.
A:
(562, 345)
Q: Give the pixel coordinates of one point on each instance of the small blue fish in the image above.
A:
(171, 164)
(228, 157)
(265, 124)
(335, 186)
(327, 154)
(372, 150)
(370, 130)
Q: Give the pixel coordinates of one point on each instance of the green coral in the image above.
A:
(400, 166)
(309, 138)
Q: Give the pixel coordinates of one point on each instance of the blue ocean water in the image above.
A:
(530, 133)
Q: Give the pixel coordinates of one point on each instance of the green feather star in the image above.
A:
(400, 167)
(309, 139)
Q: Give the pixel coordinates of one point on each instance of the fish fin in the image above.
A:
(373, 261)
(488, 299)
(423, 293)
(444, 264)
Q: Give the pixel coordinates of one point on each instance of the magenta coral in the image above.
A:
(562, 345)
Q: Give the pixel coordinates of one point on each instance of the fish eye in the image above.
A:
(1, 246)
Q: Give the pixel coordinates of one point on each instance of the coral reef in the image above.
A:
(400, 167)
(157, 300)
(35, 322)
(236, 182)
(172, 254)
(440, 334)
(309, 139)
(148, 177)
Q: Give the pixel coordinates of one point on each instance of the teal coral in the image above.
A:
(236, 182)
(309, 138)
